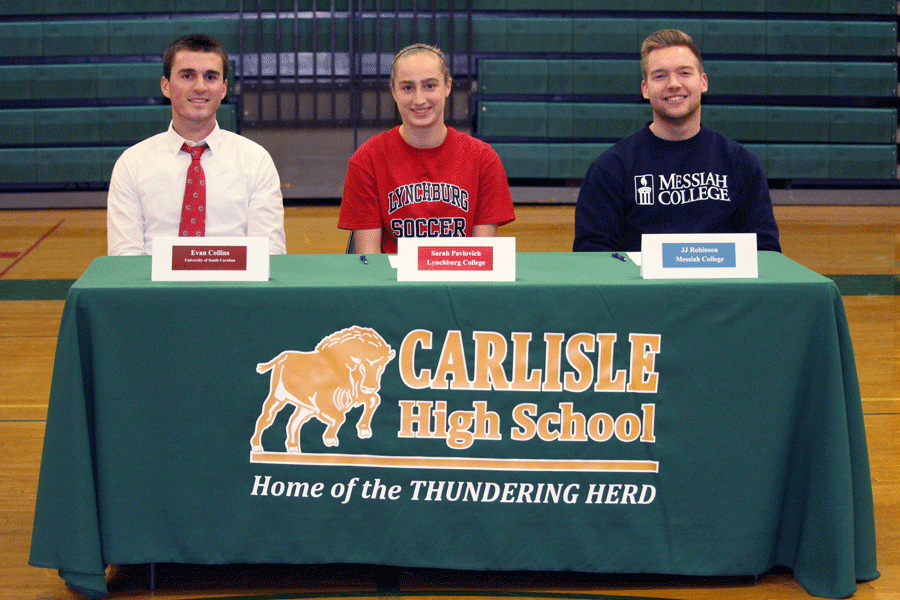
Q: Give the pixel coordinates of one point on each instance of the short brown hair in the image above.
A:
(421, 49)
(666, 38)
(194, 42)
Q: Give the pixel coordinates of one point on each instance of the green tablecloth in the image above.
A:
(580, 419)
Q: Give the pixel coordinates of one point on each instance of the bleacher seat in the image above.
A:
(72, 93)
(64, 81)
(805, 142)
(855, 7)
(76, 38)
(603, 34)
(811, 85)
(787, 161)
(132, 80)
(27, 167)
(60, 8)
(863, 125)
(92, 124)
(548, 161)
(513, 76)
(862, 162)
(64, 165)
(742, 123)
(18, 166)
(863, 79)
(623, 35)
(17, 125)
(559, 119)
(798, 124)
(525, 160)
(21, 39)
(553, 119)
(724, 36)
(743, 78)
(781, 161)
(729, 77)
(83, 81)
(850, 134)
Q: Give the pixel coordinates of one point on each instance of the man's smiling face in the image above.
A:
(674, 84)
(196, 89)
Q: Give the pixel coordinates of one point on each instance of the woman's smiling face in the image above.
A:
(420, 90)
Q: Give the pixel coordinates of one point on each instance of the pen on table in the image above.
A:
(363, 258)
(619, 256)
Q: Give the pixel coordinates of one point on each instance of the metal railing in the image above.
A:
(327, 62)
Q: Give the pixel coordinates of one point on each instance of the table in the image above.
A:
(580, 418)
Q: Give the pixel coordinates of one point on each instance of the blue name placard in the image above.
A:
(698, 255)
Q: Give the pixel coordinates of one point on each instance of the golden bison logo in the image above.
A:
(344, 371)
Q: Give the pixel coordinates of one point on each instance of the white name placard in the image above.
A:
(699, 256)
(456, 259)
(210, 259)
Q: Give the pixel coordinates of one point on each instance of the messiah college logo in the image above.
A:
(343, 372)
(643, 190)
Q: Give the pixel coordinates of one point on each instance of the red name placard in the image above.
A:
(456, 258)
(209, 258)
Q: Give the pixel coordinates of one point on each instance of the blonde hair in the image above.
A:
(666, 38)
(421, 49)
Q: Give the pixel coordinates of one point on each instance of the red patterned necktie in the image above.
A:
(193, 209)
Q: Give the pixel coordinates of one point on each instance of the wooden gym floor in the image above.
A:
(42, 251)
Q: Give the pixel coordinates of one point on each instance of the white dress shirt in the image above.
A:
(243, 192)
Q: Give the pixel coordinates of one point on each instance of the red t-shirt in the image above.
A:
(432, 192)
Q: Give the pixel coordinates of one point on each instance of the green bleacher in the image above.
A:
(64, 122)
(810, 85)
(91, 124)
(106, 82)
(623, 35)
(513, 76)
(543, 160)
(60, 7)
(755, 124)
(490, 34)
(815, 96)
(78, 145)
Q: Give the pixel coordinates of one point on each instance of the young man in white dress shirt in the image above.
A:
(147, 188)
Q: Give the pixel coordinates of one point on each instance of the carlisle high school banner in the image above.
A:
(579, 418)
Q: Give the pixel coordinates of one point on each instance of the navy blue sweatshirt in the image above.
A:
(645, 184)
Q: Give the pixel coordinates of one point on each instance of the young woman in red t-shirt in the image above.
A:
(422, 178)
